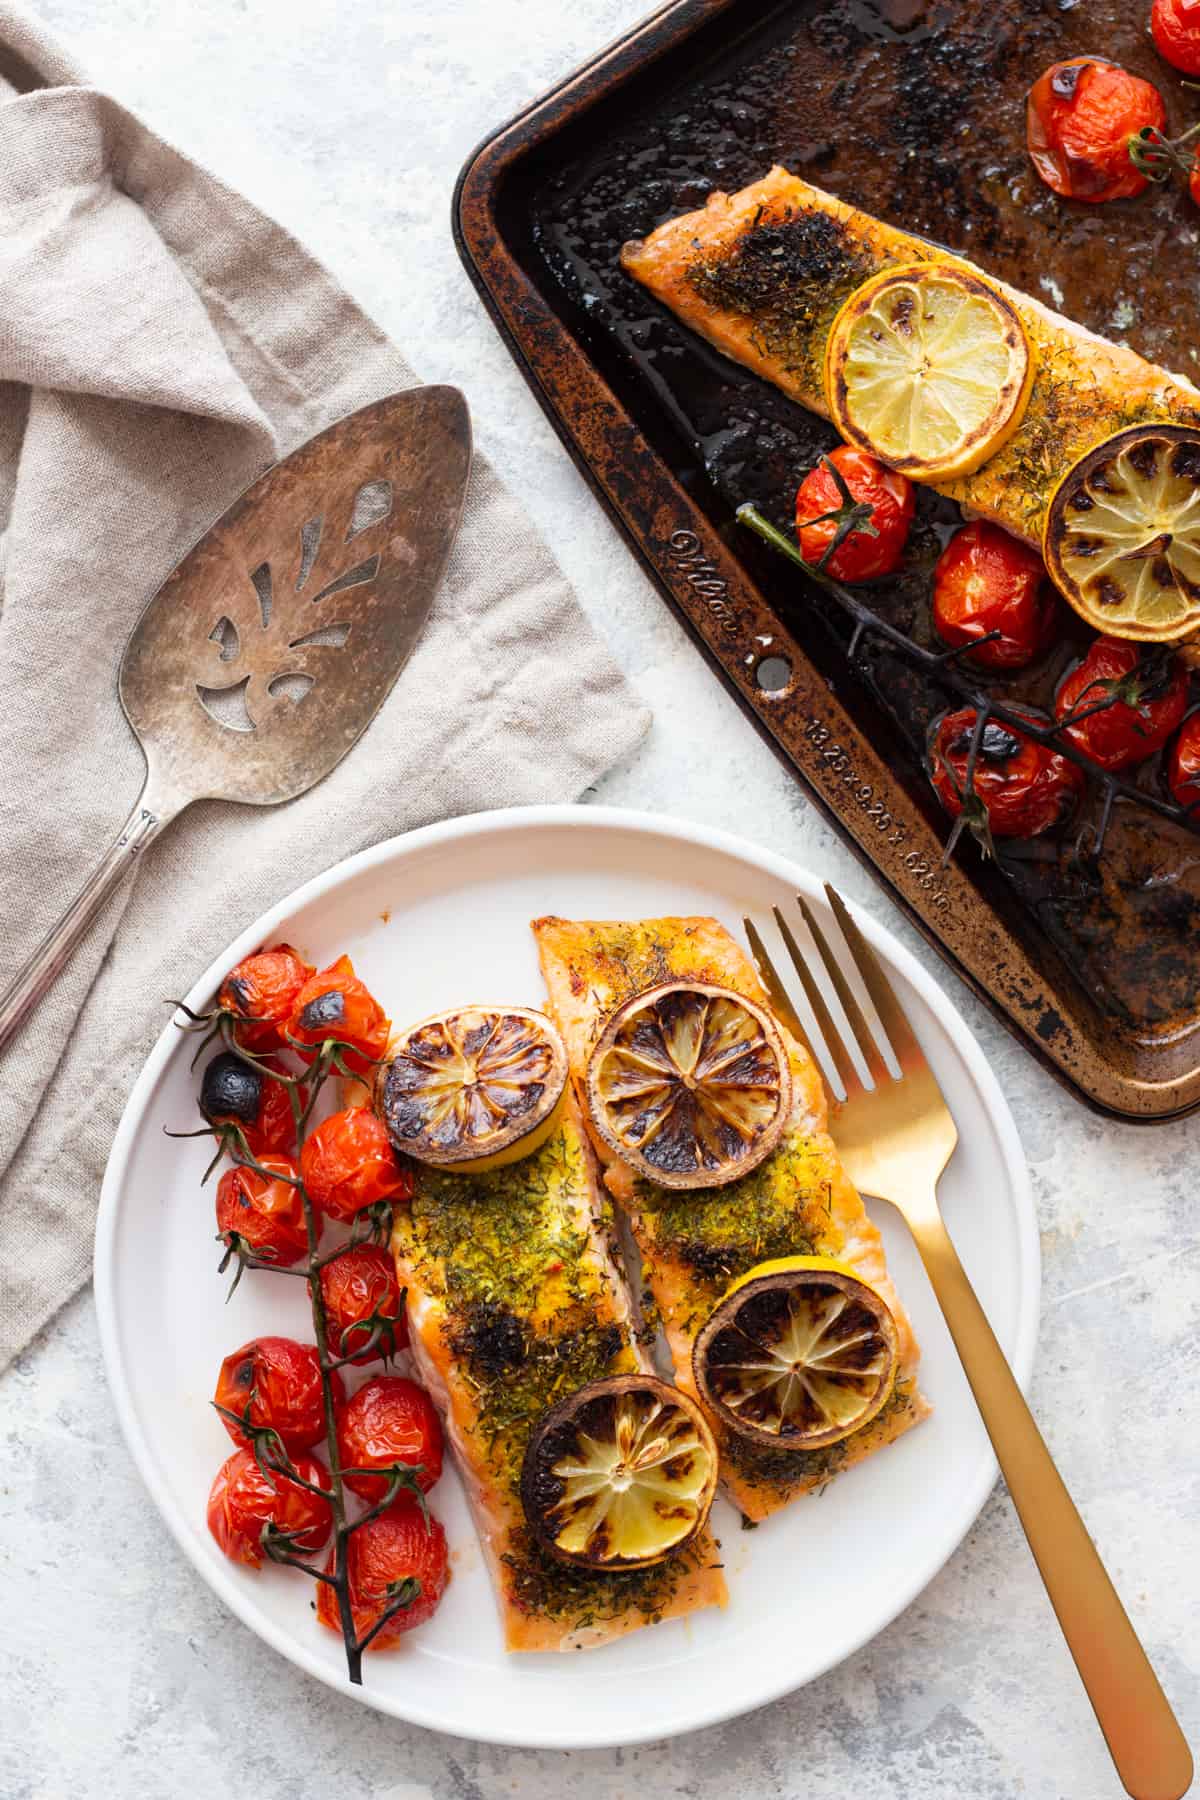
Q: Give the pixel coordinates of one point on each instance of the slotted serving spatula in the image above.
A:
(271, 647)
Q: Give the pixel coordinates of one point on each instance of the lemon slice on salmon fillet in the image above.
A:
(473, 1088)
(619, 1474)
(1122, 539)
(928, 368)
(799, 1353)
(690, 1084)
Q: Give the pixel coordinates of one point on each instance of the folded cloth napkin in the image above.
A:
(160, 344)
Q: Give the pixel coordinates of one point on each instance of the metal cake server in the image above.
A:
(271, 647)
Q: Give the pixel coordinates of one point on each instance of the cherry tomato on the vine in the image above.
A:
(1080, 117)
(1026, 787)
(280, 1381)
(389, 1420)
(348, 1162)
(987, 581)
(264, 1210)
(1175, 26)
(261, 992)
(236, 1093)
(354, 1286)
(335, 1004)
(1122, 733)
(397, 1546)
(1183, 769)
(242, 1501)
(890, 496)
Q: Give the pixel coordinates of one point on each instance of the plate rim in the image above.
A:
(482, 824)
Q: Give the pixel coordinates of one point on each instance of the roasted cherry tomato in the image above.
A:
(261, 993)
(243, 1501)
(1194, 181)
(389, 1420)
(397, 1546)
(1175, 26)
(360, 1290)
(348, 1163)
(234, 1093)
(890, 496)
(1025, 787)
(280, 1381)
(335, 1004)
(1080, 117)
(987, 581)
(1122, 734)
(266, 1211)
(1183, 770)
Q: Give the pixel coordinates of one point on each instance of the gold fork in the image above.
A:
(895, 1138)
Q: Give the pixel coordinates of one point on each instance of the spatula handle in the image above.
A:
(1142, 1733)
(53, 953)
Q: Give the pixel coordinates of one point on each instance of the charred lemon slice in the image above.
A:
(1122, 538)
(928, 367)
(475, 1088)
(799, 1353)
(690, 1084)
(620, 1474)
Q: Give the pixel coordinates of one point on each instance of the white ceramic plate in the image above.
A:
(443, 914)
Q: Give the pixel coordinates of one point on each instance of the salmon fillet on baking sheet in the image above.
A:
(695, 1243)
(761, 274)
(514, 1301)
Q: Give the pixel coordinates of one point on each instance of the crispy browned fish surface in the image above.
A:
(695, 1243)
(762, 274)
(514, 1301)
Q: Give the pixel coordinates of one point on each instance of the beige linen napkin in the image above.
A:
(161, 343)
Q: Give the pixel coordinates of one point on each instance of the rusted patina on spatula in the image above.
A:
(271, 647)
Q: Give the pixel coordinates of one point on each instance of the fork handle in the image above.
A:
(1150, 1751)
(31, 983)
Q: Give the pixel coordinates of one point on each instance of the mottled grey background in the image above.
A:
(122, 1678)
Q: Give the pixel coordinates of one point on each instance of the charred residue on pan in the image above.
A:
(914, 110)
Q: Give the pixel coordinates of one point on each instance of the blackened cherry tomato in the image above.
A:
(280, 1381)
(358, 1283)
(348, 1162)
(1025, 787)
(242, 1501)
(389, 1420)
(397, 1546)
(265, 1210)
(1175, 27)
(1183, 769)
(260, 994)
(236, 1093)
(987, 581)
(1122, 734)
(335, 1004)
(1080, 117)
(890, 496)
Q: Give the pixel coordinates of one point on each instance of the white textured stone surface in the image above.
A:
(122, 1677)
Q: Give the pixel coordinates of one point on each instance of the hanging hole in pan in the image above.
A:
(225, 635)
(310, 543)
(261, 580)
(355, 577)
(291, 685)
(333, 636)
(372, 504)
(773, 674)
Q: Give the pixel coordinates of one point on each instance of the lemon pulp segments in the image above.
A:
(928, 367)
(799, 1353)
(1122, 537)
(620, 1474)
(690, 1084)
(475, 1087)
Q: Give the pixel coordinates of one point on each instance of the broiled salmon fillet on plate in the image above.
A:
(694, 1243)
(515, 1301)
(762, 274)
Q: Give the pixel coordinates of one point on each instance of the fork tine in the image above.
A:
(883, 998)
(781, 1001)
(847, 1073)
(859, 1028)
